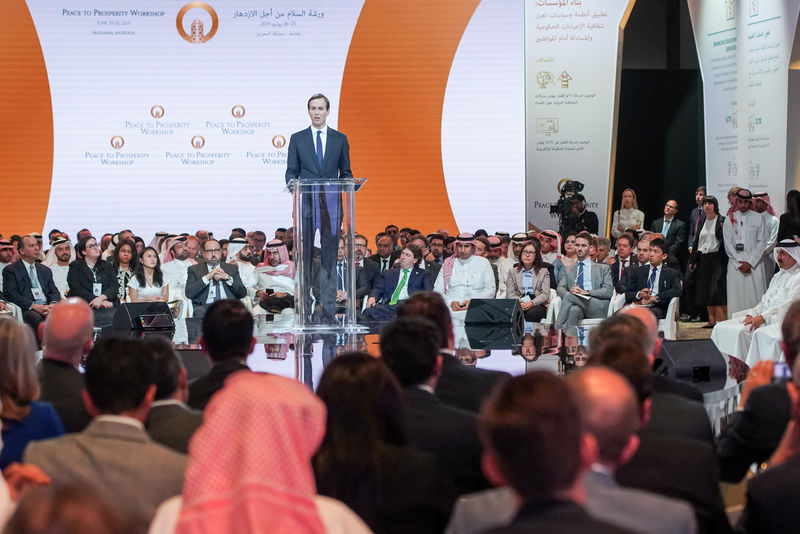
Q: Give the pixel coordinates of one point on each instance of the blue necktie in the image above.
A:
(341, 277)
(319, 148)
(652, 279)
(580, 275)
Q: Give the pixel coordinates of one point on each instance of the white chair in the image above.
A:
(552, 308)
(669, 324)
(16, 311)
(615, 304)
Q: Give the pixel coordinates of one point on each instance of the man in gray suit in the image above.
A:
(114, 455)
(585, 288)
(610, 414)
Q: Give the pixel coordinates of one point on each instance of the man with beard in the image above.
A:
(745, 235)
(175, 266)
(465, 276)
(753, 334)
(209, 282)
(275, 286)
(242, 254)
(58, 258)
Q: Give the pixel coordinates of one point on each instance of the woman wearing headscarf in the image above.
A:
(250, 465)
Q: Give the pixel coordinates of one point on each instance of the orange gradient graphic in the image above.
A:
(391, 110)
(26, 123)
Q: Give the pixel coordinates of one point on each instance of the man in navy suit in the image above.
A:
(656, 284)
(30, 285)
(673, 230)
(320, 152)
(396, 285)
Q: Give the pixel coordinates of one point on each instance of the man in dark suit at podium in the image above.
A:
(320, 152)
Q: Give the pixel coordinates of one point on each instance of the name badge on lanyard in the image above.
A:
(212, 291)
(37, 293)
(97, 289)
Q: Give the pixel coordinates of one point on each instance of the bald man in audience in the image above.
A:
(67, 335)
(670, 460)
(609, 411)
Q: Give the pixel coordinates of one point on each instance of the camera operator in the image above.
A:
(578, 219)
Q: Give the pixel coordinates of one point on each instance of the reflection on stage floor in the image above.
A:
(303, 356)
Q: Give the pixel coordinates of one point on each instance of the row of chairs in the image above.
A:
(667, 327)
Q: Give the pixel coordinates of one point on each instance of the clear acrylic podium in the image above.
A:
(324, 210)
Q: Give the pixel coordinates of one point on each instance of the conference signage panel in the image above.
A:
(572, 65)
(744, 49)
(175, 115)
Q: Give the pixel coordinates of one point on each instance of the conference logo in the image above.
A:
(279, 141)
(198, 142)
(197, 27)
(117, 142)
(237, 111)
(157, 111)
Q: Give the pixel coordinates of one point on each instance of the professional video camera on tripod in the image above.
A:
(570, 210)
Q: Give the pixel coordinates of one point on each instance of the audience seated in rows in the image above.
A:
(227, 340)
(114, 455)
(67, 336)
(256, 443)
(410, 346)
(366, 460)
(24, 418)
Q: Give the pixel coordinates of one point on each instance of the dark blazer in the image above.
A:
(683, 469)
(197, 290)
(555, 517)
(301, 159)
(621, 285)
(80, 280)
(407, 492)
(370, 271)
(665, 384)
(723, 257)
(62, 386)
(392, 258)
(772, 499)
(696, 219)
(676, 238)
(669, 285)
(17, 284)
(677, 417)
(173, 424)
(202, 389)
(449, 434)
(433, 267)
(464, 386)
(302, 163)
(418, 280)
(754, 433)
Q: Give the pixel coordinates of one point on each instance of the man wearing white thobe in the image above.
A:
(175, 268)
(754, 334)
(465, 276)
(763, 205)
(745, 236)
(58, 258)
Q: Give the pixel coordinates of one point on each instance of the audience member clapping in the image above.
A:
(365, 459)
(250, 465)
